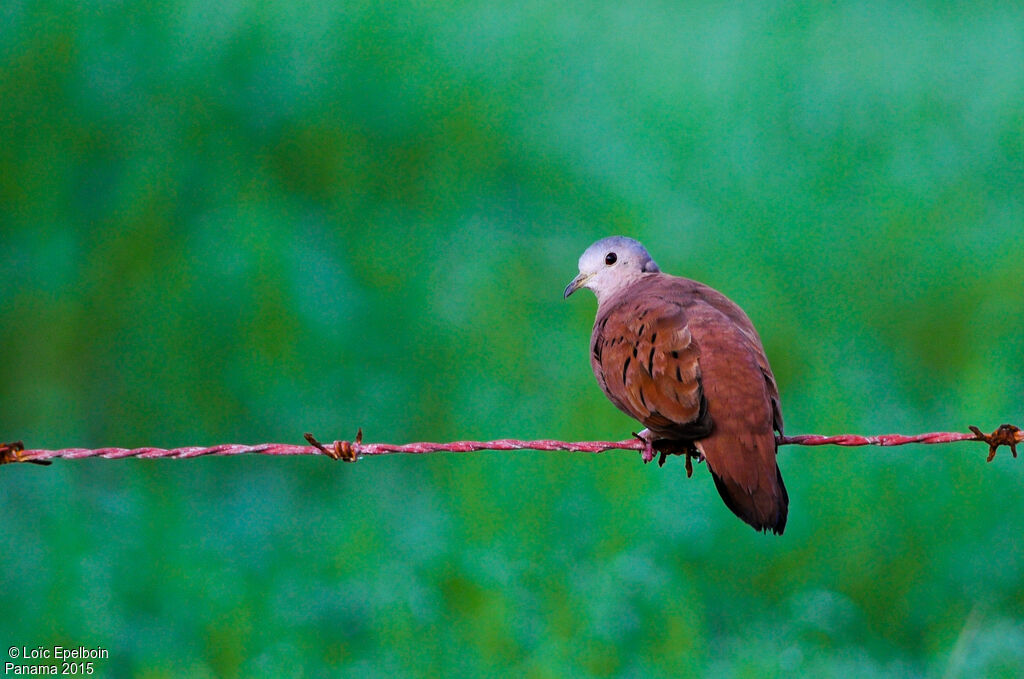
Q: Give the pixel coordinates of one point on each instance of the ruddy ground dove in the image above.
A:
(685, 361)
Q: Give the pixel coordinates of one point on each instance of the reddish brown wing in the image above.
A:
(646, 361)
(685, 361)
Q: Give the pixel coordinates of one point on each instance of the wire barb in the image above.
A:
(339, 450)
(12, 452)
(1004, 435)
(9, 451)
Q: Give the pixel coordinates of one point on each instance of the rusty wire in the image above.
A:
(351, 451)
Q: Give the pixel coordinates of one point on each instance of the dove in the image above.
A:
(686, 361)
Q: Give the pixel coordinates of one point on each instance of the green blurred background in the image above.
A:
(241, 221)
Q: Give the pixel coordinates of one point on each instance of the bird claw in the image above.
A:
(692, 454)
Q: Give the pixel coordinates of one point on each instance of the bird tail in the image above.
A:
(765, 507)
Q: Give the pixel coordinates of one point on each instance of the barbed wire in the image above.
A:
(350, 451)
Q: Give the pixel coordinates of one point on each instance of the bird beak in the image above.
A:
(576, 284)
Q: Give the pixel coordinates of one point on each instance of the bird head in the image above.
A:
(611, 264)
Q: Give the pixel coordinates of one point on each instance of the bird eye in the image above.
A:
(610, 258)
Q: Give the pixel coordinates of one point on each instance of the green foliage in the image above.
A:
(236, 222)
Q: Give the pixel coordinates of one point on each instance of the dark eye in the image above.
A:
(610, 258)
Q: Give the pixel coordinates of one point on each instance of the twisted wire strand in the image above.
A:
(1006, 434)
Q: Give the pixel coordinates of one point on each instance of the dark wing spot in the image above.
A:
(703, 413)
(675, 354)
(650, 361)
(625, 367)
(643, 326)
(679, 378)
(654, 337)
(634, 350)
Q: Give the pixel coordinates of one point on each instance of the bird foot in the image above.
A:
(647, 451)
(666, 448)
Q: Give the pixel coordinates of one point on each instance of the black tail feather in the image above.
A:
(744, 505)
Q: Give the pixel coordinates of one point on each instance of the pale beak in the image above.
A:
(576, 284)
